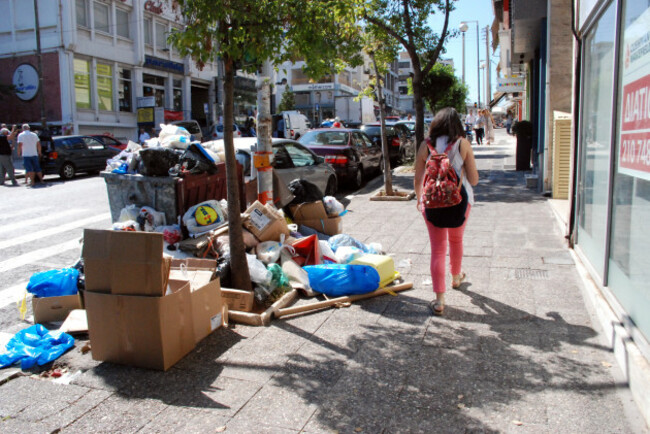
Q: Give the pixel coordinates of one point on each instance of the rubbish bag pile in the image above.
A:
(172, 153)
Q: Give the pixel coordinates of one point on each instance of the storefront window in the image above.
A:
(154, 86)
(629, 265)
(122, 23)
(82, 13)
(102, 22)
(595, 138)
(82, 83)
(105, 87)
(178, 95)
(124, 90)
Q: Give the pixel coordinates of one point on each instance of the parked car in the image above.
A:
(192, 127)
(73, 154)
(350, 152)
(399, 138)
(291, 161)
(216, 132)
(111, 141)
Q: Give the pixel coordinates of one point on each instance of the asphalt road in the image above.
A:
(40, 229)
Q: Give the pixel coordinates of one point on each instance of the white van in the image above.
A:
(295, 124)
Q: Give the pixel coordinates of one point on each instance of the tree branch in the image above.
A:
(388, 30)
(441, 42)
(407, 22)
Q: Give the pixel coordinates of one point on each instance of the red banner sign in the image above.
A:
(636, 105)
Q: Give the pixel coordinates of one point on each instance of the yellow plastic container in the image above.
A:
(384, 265)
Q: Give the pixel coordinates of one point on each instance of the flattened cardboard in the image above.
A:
(198, 271)
(194, 264)
(265, 222)
(76, 322)
(142, 331)
(207, 310)
(309, 211)
(49, 309)
(237, 299)
(126, 263)
(329, 226)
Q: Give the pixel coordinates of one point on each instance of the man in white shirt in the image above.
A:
(144, 136)
(29, 146)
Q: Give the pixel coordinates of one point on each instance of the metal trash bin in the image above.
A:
(524, 132)
(170, 195)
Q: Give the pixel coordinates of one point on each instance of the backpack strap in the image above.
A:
(450, 146)
(432, 150)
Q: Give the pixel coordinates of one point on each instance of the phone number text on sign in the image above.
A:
(634, 157)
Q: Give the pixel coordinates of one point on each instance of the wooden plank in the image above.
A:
(264, 318)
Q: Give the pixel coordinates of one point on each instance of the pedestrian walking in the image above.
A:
(29, 147)
(446, 135)
(479, 127)
(6, 155)
(470, 119)
(279, 128)
(489, 126)
(508, 122)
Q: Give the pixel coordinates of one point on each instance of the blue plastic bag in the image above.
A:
(346, 240)
(35, 345)
(54, 283)
(336, 280)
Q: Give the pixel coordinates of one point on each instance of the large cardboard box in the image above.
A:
(142, 331)
(313, 215)
(126, 263)
(208, 312)
(48, 309)
(237, 299)
(265, 222)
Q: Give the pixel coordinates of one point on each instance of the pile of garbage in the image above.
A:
(172, 153)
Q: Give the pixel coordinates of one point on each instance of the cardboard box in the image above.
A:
(48, 309)
(199, 272)
(126, 263)
(142, 331)
(237, 299)
(208, 311)
(265, 222)
(313, 215)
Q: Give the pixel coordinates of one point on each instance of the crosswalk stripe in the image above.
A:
(52, 231)
(11, 213)
(13, 294)
(43, 218)
(37, 255)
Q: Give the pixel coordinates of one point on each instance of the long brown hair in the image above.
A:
(446, 123)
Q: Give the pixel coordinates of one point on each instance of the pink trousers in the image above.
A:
(439, 237)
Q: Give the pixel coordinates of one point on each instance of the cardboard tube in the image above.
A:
(331, 302)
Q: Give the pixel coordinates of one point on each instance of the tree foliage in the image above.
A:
(288, 101)
(407, 21)
(443, 89)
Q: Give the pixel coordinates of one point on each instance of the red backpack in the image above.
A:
(441, 186)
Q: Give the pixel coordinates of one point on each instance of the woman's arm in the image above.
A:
(469, 163)
(420, 163)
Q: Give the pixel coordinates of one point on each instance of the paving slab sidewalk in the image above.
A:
(516, 352)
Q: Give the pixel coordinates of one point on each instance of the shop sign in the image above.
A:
(511, 84)
(634, 140)
(145, 115)
(25, 82)
(173, 115)
(146, 101)
(164, 65)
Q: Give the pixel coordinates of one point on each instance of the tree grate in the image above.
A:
(528, 274)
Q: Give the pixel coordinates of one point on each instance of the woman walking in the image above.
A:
(479, 127)
(489, 126)
(447, 135)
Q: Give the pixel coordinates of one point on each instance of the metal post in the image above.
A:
(463, 57)
(488, 86)
(40, 66)
(478, 68)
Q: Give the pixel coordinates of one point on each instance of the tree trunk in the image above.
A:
(264, 145)
(418, 102)
(240, 277)
(388, 179)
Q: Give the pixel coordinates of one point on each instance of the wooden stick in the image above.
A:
(331, 302)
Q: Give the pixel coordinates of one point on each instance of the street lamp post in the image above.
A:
(463, 28)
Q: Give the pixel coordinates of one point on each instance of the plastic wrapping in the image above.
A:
(340, 240)
(326, 252)
(333, 206)
(149, 219)
(35, 346)
(336, 280)
(129, 213)
(204, 217)
(347, 254)
(258, 271)
(54, 283)
(172, 130)
(268, 251)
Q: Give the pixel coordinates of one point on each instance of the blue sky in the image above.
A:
(468, 10)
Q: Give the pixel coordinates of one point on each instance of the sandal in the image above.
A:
(437, 307)
(457, 279)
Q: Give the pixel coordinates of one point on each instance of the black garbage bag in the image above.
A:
(157, 161)
(196, 160)
(304, 191)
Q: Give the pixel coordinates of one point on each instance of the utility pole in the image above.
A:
(264, 151)
(488, 82)
(39, 56)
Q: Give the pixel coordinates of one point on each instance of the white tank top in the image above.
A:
(457, 163)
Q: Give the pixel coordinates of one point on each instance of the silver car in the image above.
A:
(291, 160)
